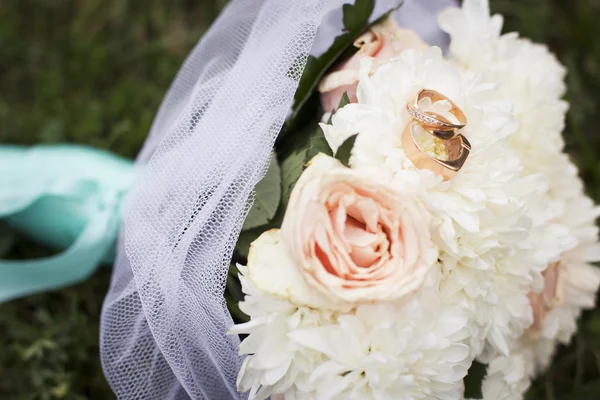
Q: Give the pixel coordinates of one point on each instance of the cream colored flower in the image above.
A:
(408, 351)
(354, 240)
(273, 271)
(275, 363)
(403, 350)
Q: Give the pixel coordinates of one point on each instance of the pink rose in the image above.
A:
(355, 240)
(542, 303)
(382, 42)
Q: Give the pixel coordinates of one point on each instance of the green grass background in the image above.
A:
(95, 71)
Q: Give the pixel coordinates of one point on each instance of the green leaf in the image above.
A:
(268, 197)
(242, 246)
(292, 167)
(474, 379)
(234, 309)
(318, 143)
(345, 150)
(356, 21)
(344, 101)
(234, 288)
(234, 294)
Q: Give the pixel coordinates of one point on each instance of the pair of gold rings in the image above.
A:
(448, 133)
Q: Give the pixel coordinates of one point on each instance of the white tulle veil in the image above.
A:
(164, 318)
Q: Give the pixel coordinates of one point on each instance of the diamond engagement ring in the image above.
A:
(433, 122)
(456, 147)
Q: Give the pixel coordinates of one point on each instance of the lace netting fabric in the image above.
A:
(164, 318)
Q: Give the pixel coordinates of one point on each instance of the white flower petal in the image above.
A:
(272, 271)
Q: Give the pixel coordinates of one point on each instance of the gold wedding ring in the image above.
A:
(438, 125)
(456, 146)
(457, 149)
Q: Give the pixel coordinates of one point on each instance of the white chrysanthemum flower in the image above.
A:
(570, 287)
(410, 349)
(275, 363)
(507, 378)
(578, 279)
(491, 219)
(526, 73)
(530, 76)
(405, 351)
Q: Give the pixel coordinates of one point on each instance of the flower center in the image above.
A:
(430, 144)
(366, 247)
(368, 43)
(358, 243)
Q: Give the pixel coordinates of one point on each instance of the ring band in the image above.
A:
(438, 125)
(458, 149)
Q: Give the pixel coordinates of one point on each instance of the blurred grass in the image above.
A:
(94, 72)
(91, 72)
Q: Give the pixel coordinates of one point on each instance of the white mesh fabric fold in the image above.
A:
(164, 319)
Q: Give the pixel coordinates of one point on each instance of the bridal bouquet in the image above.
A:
(419, 214)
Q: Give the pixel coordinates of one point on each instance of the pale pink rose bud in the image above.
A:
(383, 42)
(542, 303)
(353, 239)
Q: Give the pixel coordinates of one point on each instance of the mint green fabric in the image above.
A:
(64, 196)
